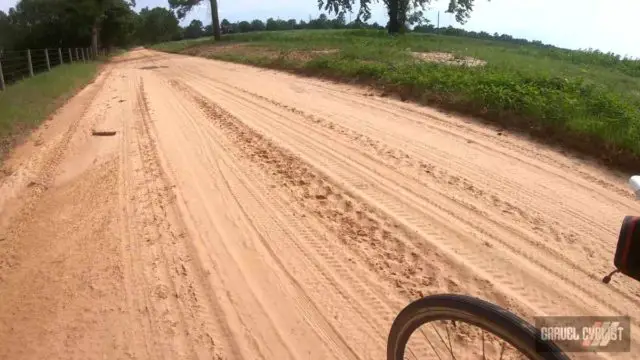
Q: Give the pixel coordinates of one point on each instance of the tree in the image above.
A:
(322, 22)
(226, 27)
(340, 21)
(271, 24)
(35, 22)
(6, 32)
(194, 30)
(118, 26)
(184, 6)
(398, 10)
(98, 9)
(417, 18)
(258, 25)
(158, 25)
(68, 23)
(244, 26)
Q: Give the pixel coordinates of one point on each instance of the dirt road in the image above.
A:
(245, 213)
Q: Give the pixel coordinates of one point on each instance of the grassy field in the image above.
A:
(584, 101)
(25, 104)
(177, 46)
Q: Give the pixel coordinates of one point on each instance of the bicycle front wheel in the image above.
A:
(462, 313)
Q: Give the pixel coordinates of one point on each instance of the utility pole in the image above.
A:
(438, 27)
(215, 21)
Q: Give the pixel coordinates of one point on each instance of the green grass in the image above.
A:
(573, 97)
(25, 104)
(177, 46)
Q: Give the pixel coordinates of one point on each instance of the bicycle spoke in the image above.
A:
(459, 336)
(412, 353)
(450, 346)
(432, 347)
(502, 349)
(430, 344)
(442, 339)
(483, 353)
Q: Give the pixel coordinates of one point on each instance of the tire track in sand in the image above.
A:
(358, 224)
(339, 306)
(382, 187)
(490, 211)
(163, 287)
(254, 303)
(313, 241)
(555, 223)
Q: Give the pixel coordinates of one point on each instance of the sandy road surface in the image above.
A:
(244, 213)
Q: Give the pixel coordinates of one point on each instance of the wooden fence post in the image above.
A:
(46, 56)
(77, 57)
(82, 53)
(30, 63)
(60, 56)
(1, 78)
(70, 56)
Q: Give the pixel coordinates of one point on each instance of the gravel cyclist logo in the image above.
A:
(587, 333)
(601, 333)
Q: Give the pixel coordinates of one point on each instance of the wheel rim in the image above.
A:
(460, 340)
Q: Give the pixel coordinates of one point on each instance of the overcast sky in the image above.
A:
(608, 25)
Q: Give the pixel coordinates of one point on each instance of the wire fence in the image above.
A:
(16, 65)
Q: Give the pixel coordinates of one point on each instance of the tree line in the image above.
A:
(40, 24)
(82, 23)
(62, 23)
(322, 22)
(114, 23)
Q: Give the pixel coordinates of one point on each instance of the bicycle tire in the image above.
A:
(482, 314)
